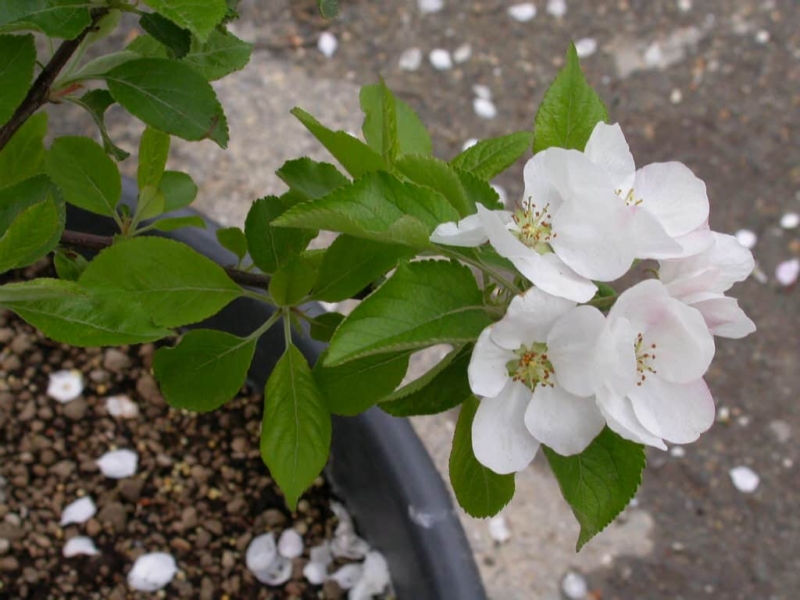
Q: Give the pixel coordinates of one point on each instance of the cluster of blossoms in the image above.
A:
(553, 371)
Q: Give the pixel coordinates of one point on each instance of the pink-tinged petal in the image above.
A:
(723, 316)
(675, 195)
(564, 422)
(487, 371)
(694, 242)
(495, 224)
(539, 189)
(500, 439)
(649, 237)
(572, 346)
(608, 148)
(550, 273)
(621, 419)
(529, 318)
(676, 412)
(468, 233)
(614, 365)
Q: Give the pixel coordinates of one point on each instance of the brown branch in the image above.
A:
(40, 90)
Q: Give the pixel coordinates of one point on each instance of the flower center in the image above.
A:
(630, 198)
(532, 367)
(645, 355)
(535, 227)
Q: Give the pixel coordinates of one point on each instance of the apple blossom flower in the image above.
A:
(649, 363)
(701, 281)
(530, 369)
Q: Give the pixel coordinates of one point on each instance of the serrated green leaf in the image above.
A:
(170, 96)
(375, 207)
(323, 326)
(410, 134)
(179, 190)
(150, 202)
(173, 223)
(33, 234)
(437, 175)
(350, 264)
(69, 313)
(328, 8)
(234, 240)
(17, 58)
(311, 179)
(220, 55)
(296, 428)
(478, 191)
(352, 388)
(175, 285)
(147, 46)
(97, 67)
(167, 33)
(488, 158)
(87, 177)
(422, 304)
(292, 282)
(96, 102)
(569, 110)
(443, 387)
(56, 18)
(354, 155)
(20, 196)
(204, 370)
(153, 153)
(599, 482)
(271, 247)
(69, 264)
(480, 491)
(198, 16)
(22, 157)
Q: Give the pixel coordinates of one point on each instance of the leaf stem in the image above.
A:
(266, 325)
(499, 277)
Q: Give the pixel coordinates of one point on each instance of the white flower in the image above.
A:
(701, 280)
(649, 364)
(530, 368)
(118, 464)
(151, 572)
(79, 511)
(65, 386)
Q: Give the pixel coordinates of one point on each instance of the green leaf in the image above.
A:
(148, 46)
(88, 178)
(176, 285)
(69, 264)
(480, 491)
(56, 18)
(328, 8)
(296, 428)
(354, 155)
(179, 190)
(17, 58)
(438, 176)
(376, 207)
(72, 314)
(599, 482)
(97, 67)
(271, 247)
(22, 157)
(488, 158)
(170, 96)
(311, 179)
(150, 202)
(153, 153)
(220, 55)
(424, 303)
(323, 326)
(33, 234)
(569, 110)
(173, 223)
(234, 240)
(352, 388)
(411, 135)
(443, 387)
(198, 17)
(292, 281)
(380, 120)
(96, 102)
(478, 191)
(205, 370)
(168, 33)
(18, 197)
(350, 264)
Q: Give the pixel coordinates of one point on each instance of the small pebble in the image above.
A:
(440, 59)
(152, 572)
(676, 96)
(482, 91)
(79, 511)
(462, 54)
(744, 479)
(786, 272)
(677, 451)
(574, 586)
(557, 8)
(430, 6)
(65, 386)
(498, 529)
(80, 545)
(585, 47)
(762, 36)
(327, 44)
(746, 238)
(790, 220)
(723, 414)
(522, 12)
(410, 59)
(684, 5)
(781, 430)
(484, 108)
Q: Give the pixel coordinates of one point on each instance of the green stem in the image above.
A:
(603, 303)
(266, 325)
(499, 277)
(287, 326)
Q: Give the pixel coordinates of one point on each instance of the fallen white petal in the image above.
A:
(349, 545)
(430, 6)
(762, 36)
(410, 60)
(315, 572)
(786, 273)
(574, 586)
(327, 43)
(585, 47)
(118, 464)
(463, 53)
(522, 12)
(469, 144)
(79, 511)
(347, 575)
(790, 220)
(122, 406)
(676, 96)
(677, 451)
(746, 238)
(484, 108)
(374, 578)
(744, 479)
(278, 573)
(440, 59)
(321, 554)
(482, 91)
(151, 572)
(290, 544)
(498, 529)
(65, 386)
(261, 552)
(684, 5)
(79, 545)
(557, 8)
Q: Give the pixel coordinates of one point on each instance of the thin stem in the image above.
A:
(499, 277)
(266, 325)
(287, 326)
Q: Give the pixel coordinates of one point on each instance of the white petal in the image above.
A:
(672, 193)
(608, 148)
(500, 439)
(122, 406)
(564, 422)
(374, 578)
(290, 544)
(118, 464)
(574, 174)
(321, 554)
(523, 12)
(327, 44)
(786, 272)
(278, 573)
(539, 189)
(80, 545)
(614, 364)
(621, 419)
(694, 242)
(554, 276)
(151, 572)
(529, 318)
(348, 575)
(79, 511)
(723, 316)
(315, 572)
(744, 479)
(678, 413)
(651, 238)
(571, 348)
(347, 544)
(495, 225)
(487, 371)
(468, 233)
(498, 529)
(261, 552)
(65, 386)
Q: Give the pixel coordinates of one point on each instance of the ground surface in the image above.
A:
(715, 85)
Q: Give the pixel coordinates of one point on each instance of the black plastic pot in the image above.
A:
(378, 464)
